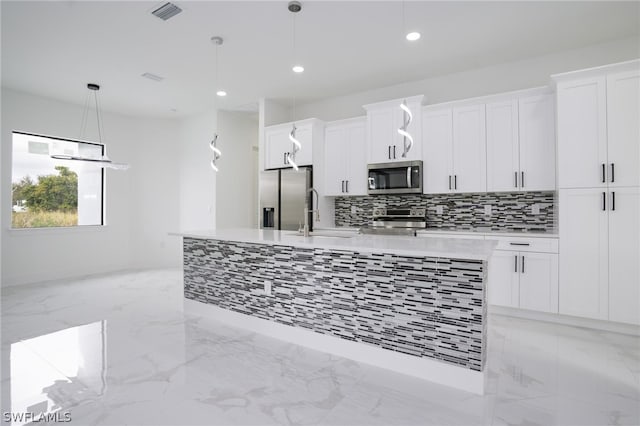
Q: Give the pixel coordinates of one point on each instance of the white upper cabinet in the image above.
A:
(384, 119)
(623, 128)
(345, 158)
(469, 149)
(503, 153)
(521, 146)
(454, 149)
(537, 137)
(582, 133)
(278, 147)
(437, 127)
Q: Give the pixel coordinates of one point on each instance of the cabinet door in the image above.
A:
(381, 135)
(503, 278)
(624, 255)
(469, 149)
(437, 149)
(623, 126)
(304, 134)
(582, 137)
(539, 282)
(414, 128)
(356, 161)
(277, 143)
(537, 143)
(335, 164)
(503, 166)
(583, 288)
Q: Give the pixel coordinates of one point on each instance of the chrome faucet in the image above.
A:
(307, 211)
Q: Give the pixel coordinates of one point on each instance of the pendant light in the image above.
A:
(102, 161)
(219, 92)
(216, 152)
(294, 7)
(407, 116)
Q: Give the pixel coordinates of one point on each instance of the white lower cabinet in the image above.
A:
(524, 279)
(504, 280)
(539, 282)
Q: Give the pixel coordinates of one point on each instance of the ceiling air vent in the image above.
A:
(166, 11)
(152, 76)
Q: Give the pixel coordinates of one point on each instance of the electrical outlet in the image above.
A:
(487, 210)
(354, 210)
(535, 209)
(267, 289)
(439, 210)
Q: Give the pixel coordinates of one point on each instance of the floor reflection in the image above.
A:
(50, 372)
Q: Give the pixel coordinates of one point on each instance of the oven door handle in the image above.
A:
(409, 177)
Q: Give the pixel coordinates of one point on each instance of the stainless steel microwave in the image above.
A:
(402, 177)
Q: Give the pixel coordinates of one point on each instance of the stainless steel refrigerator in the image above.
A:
(283, 194)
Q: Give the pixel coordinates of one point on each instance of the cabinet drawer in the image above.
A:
(542, 245)
(451, 235)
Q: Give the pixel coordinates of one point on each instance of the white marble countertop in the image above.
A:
(406, 246)
(478, 231)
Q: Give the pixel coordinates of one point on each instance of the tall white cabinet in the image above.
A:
(599, 196)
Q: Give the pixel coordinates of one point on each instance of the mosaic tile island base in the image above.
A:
(425, 307)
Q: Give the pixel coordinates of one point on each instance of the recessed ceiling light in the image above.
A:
(413, 36)
(221, 93)
(298, 68)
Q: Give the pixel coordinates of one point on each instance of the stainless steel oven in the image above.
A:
(402, 177)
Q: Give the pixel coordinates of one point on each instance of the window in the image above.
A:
(48, 192)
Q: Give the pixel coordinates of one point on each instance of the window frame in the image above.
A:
(75, 228)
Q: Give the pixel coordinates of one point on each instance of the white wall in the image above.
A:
(237, 178)
(140, 203)
(196, 202)
(506, 77)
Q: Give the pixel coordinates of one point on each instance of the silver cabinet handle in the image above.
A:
(342, 187)
(515, 179)
(455, 182)
(515, 263)
(519, 244)
(394, 152)
(604, 201)
(346, 186)
(523, 264)
(389, 154)
(603, 180)
(449, 182)
(522, 179)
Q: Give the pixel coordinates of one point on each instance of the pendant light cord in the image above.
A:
(295, 61)
(85, 113)
(98, 116)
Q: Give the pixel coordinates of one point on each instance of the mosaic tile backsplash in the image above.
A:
(510, 212)
(420, 306)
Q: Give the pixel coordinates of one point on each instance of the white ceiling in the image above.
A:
(53, 48)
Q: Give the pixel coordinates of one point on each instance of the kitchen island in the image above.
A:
(413, 305)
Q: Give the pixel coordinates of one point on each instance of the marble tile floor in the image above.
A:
(119, 350)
